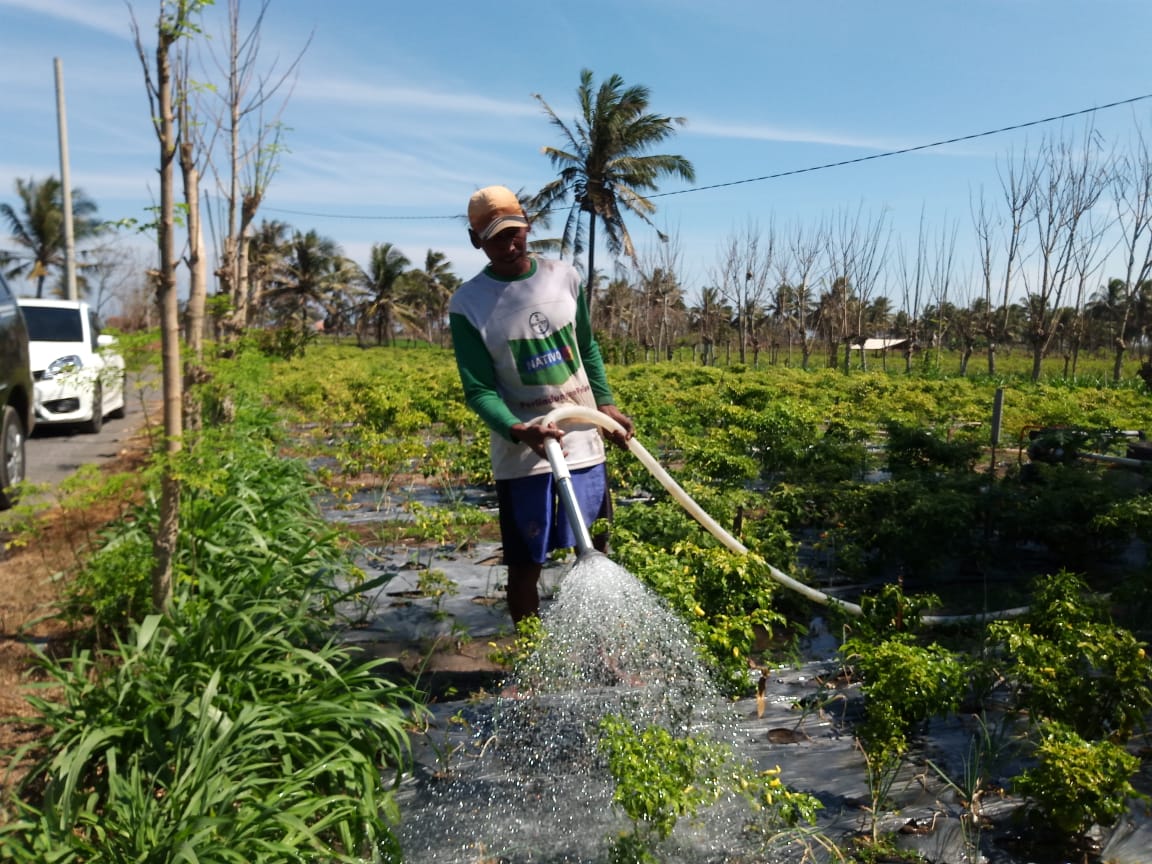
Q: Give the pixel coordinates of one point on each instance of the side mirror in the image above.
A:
(105, 341)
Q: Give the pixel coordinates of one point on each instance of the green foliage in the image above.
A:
(234, 729)
(890, 612)
(908, 526)
(1071, 665)
(915, 449)
(661, 778)
(1061, 507)
(1078, 783)
(284, 342)
(904, 686)
(529, 634)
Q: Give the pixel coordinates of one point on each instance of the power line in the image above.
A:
(904, 150)
(900, 152)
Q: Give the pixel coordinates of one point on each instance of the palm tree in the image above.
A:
(436, 282)
(386, 264)
(39, 230)
(267, 255)
(314, 269)
(606, 164)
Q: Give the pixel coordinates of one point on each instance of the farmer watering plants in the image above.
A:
(524, 346)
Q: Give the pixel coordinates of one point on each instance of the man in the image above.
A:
(524, 346)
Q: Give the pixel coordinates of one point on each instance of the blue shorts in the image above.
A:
(532, 519)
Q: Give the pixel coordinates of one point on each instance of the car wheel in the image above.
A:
(96, 422)
(12, 460)
(118, 413)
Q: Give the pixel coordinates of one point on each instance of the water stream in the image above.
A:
(520, 778)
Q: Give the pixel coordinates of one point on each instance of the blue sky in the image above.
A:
(400, 110)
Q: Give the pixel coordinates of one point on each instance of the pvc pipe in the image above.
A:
(567, 495)
(577, 412)
(589, 415)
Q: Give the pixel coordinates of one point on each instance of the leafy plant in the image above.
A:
(1071, 665)
(1078, 783)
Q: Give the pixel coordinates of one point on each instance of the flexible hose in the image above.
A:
(589, 415)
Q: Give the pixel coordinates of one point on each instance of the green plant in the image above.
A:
(1078, 783)
(530, 633)
(904, 685)
(1070, 664)
(235, 723)
(437, 585)
(661, 778)
(987, 748)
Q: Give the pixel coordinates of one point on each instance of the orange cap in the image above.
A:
(494, 208)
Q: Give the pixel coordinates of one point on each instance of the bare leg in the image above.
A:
(523, 591)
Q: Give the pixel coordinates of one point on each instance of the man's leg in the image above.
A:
(523, 591)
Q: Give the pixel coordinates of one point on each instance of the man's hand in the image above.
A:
(535, 434)
(620, 440)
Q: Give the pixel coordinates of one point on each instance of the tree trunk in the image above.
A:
(590, 287)
(167, 532)
(198, 281)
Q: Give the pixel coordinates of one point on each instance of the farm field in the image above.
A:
(876, 487)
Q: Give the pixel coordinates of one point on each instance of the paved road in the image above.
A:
(55, 452)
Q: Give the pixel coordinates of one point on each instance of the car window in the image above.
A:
(46, 324)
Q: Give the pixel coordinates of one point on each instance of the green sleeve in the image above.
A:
(478, 376)
(590, 353)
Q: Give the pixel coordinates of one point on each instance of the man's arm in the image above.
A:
(478, 375)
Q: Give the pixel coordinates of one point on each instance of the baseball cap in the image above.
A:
(494, 208)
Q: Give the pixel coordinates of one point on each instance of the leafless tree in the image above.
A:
(742, 274)
(857, 253)
(176, 21)
(796, 271)
(661, 295)
(1132, 193)
(1071, 180)
(249, 115)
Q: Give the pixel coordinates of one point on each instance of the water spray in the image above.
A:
(568, 500)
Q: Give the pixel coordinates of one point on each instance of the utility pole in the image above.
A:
(65, 186)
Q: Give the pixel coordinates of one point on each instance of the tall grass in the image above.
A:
(235, 729)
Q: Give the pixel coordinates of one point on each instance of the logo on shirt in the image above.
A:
(539, 322)
(552, 359)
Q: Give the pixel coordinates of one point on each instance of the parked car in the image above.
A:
(79, 374)
(16, 395)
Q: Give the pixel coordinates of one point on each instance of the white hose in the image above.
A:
(577, 412)
(589, 415)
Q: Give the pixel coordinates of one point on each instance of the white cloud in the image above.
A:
(360, 93)
(107, 16)
(753, 132)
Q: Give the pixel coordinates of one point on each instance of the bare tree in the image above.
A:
(1018, 181)
(176, 21)
(1072, 179)
(912, 275)
(253, 146)
(742, 275)
(857, 252)
(941, 274)
(796, 272)
(661, 295)
(1132, 193)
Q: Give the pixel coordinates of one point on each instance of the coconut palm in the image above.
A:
(606, 164)
(386, 264)
(313, 269)
(267, 259)
(39, 228)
